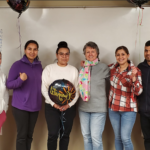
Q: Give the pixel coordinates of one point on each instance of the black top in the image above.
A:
(144, 98)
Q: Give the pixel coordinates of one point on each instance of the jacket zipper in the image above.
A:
(146, 89)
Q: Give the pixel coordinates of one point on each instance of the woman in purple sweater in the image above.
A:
(25, 80)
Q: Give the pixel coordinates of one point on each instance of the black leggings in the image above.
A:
(25, 122)
(54, 125)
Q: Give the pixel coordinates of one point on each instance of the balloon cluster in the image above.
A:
(139, 3)
(19, 5)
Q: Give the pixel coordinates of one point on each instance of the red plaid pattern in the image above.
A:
(122, 94)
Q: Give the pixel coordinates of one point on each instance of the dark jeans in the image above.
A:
(145, 125)
(54, 125)
(25, 122)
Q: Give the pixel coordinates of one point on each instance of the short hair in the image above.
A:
(92, 45)
(147, 43)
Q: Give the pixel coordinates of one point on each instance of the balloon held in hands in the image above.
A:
(61, 92)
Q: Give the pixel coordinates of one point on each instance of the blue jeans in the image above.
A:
(92, 126)
(122, 123)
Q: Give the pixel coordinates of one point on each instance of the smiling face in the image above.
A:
(122, 57)
(63, 56)
(147, 53)
(90, 54)
(31, 51)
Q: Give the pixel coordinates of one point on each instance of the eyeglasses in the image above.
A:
(62, 54)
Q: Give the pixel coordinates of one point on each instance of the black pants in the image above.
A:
(25, 122)
(54, 125)
(145, 125)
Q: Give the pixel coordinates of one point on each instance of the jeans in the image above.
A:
(145, 125)
(55, 127)
(122, 123)
(92, 127)
(25, 122)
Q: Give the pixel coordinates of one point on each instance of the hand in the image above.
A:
(56, 106)
(65, 107)
(23, 76)
(82, 63)
(134, 72)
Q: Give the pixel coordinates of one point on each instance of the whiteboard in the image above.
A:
(108, 27)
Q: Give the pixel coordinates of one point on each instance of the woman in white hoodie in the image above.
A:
(4, 97)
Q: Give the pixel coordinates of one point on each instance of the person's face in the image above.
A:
(31, 52)
(0, 59)
(147, 53)
(63, 56)
(122, 57)
(90, 54)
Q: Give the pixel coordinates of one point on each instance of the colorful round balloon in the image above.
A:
(61, 92)
(19, 5)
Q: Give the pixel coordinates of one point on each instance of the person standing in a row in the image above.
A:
(93, 99)
(53, 72)
(4, 96)
(25, 80)
(144, 98)
(126, 84)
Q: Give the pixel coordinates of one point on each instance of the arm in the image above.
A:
(137, 85)
(107, 80)
(65, 107)
(45, 86)
(4, 93)
(6, 99)
(135, 81)
(107, 72)
(76, 84)
(14, 81)
(6, 96)
(126, 81)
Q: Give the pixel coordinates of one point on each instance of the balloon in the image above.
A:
(61, 92)
(138, 2)
(19, 5)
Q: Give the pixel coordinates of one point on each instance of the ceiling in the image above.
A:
(77, 3)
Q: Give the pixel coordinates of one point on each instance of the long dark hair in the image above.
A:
(124, 48)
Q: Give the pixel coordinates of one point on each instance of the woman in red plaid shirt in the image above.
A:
(126, 83)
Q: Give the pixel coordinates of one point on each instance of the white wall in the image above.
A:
(108, 27)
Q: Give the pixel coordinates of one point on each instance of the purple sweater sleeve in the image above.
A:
(14, 80)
